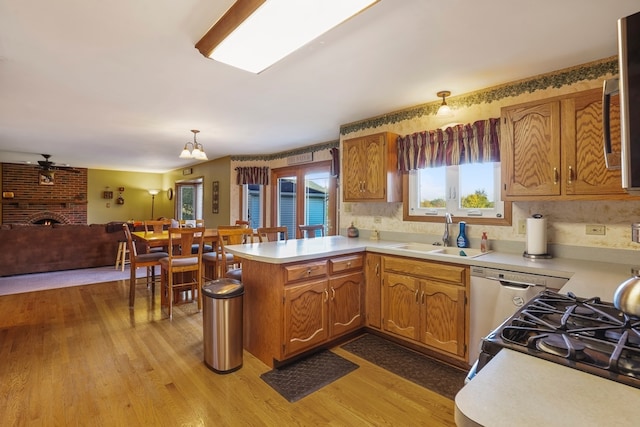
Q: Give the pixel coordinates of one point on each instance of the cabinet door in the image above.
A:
(305, 315)
(370, 169)
(373, 291)
(353, 161)
(401, 305)
(530, 149)
(345, 308)
(584, 169)
(443, 316)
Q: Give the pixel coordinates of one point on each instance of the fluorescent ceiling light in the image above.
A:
(255, 34)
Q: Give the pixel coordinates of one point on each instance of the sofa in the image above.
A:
(26, 248)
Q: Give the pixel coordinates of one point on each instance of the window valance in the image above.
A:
(477, 142)
(252, 175)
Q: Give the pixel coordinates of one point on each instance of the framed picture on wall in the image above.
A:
(215, 197)
(46, 178)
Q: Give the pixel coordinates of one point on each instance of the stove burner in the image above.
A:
(585, 334)
(561, 345)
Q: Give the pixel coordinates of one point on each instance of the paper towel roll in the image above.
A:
(536, 236)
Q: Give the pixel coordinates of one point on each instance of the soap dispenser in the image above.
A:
(462, 241)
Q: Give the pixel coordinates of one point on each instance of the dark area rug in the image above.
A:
(422, 370)
(304, 376)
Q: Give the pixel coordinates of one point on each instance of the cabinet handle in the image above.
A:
(570, 175)
(555, 175)
(333, 293)
(377, 270)
(423, 295)
(326, 295)
(417, 296)
(349, 264)
(308, 272)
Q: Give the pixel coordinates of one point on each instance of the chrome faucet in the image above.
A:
(447, 221)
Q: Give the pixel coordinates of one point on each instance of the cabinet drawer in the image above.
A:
(295, 272)
(445, 272)
(346, 263)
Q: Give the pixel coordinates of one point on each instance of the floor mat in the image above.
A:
(307, 375)
(429, 373)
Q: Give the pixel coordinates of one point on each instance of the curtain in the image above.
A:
(335, 162)
(252, 175)
(477, 142)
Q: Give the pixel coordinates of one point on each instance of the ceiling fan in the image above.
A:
(49, 166)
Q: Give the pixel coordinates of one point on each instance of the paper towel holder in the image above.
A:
(537, 256)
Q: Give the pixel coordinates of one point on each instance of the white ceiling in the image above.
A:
(118, 84)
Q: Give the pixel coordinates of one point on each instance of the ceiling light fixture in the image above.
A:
(444, 110)
(197, 151)
(255, 34)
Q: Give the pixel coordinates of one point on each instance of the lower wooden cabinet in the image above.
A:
(426, 302)
(373, 291)
(293, 308)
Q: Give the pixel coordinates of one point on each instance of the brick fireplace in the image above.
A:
(62, 199)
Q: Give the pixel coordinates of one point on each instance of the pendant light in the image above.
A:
(444, 110)
(197, 152)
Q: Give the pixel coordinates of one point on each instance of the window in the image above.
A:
(470, 191)
(304, 194)
(455, 170)
(252, 203)
(189, 195)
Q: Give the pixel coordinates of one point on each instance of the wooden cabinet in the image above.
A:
(373, 291)
(426, 302)
(370, 169)
(552, 149)
(293, 308)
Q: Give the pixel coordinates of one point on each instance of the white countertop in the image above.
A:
(517, 389)
(586, 278)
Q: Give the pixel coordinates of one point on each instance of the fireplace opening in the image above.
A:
(47, 218)
(46, 221)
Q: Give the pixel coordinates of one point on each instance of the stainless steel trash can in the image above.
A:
(222, 324)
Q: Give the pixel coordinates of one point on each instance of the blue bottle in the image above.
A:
(462, 241)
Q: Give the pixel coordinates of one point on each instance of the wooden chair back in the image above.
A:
(243, 223)
(182, 240)
(310, 231)
(231, 236)
(156, 226)
(272, 234)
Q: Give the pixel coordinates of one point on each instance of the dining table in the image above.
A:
(154, 240)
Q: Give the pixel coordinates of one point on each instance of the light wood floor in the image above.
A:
(79, 356)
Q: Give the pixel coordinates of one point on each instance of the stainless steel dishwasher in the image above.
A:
(496, 295)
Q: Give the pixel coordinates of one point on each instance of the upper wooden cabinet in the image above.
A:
(552, 149)
(370, 169)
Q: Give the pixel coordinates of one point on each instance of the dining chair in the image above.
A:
(310, 231)
(148, 260)
(184, 262)
(272, 234)
(243, 223)
(228, 265)
(156, 226)
(211, 260)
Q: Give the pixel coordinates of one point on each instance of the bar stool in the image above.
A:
(122, 257)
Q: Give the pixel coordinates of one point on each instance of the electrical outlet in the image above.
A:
(522, 226)
(377, 220)
(595, 229)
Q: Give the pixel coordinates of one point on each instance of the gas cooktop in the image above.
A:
(585, 334)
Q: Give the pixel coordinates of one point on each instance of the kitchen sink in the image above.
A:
(445, 251)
